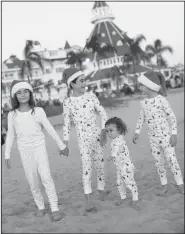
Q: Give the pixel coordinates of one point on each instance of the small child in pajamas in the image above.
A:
(81, 107)
(162, 125)
(25, 122)
(116, 128)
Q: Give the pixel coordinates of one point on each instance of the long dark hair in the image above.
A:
(15, 103)
(120, 125)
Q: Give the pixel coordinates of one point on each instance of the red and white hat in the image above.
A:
(154, 81)
(71, 74)
(16, 85)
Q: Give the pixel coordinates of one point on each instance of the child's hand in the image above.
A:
(103, 137)
(135, 138)
(64, 151)
(7, 163)
(173, 140)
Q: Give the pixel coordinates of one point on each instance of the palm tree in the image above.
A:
(48, 86)
(157, 50)
(95, 46)
(136, 53)
(76, 59)
(30, 58)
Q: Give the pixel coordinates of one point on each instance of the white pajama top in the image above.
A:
(159, 117)
(27, 128)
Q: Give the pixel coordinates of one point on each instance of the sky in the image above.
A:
(52, 23)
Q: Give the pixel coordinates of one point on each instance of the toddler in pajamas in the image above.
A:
(162, 125)
(116, 128)
(81, 108)
(25, 122)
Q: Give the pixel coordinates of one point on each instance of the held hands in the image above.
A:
(173, 140)
(7, 163)
(65, 151)
(135, 138)
(103, 137)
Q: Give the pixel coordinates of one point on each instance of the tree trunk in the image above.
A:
(136, 82)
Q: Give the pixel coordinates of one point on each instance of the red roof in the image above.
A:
(109, 34)
(67, 46)
(107, 72)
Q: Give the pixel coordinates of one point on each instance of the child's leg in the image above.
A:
(173, 163)
(30, 167)
(44, 171)
(99, 164)
(159, 160)
(128, 177)
(121, 185)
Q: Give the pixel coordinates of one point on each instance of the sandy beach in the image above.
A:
(156, 214)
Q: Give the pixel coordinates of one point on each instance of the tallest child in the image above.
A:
(81, 107)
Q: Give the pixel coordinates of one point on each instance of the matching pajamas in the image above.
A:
(125, 168)
(161, 124)
(27, 128)
(82, 111)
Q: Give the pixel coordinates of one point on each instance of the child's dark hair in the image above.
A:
(15, 103)
(74, 82)
(121, 126)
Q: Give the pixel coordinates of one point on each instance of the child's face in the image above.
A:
(80, 83)
(144, 89)
(23, 95)
(112, 131)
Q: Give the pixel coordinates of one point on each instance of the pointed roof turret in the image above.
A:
(67, 46)
(99, 4)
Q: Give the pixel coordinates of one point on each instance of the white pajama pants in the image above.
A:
(35, 161)
(161, 148)
(125, 178)
(91, 150)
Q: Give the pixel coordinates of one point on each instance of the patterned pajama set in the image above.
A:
(82, 110)
(161, 124)
(125, 168)
(26, 126)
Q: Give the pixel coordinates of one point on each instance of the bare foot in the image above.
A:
(136, 204)
(88, 203)
(41, 213)
(181, 188)
(120, 201)
(56, 216)
(101, 195)
(162, 190)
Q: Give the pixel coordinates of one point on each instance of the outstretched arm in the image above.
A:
(141, 120)
(170, 116)
(67, 120)
(50, 130)
(100, 110)
(10, 136)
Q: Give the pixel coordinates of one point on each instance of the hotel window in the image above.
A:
(48, 70)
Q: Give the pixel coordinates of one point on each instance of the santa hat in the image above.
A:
(71, 74)
(16, 85)
(154, 81)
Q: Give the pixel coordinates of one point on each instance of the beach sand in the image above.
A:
(154, 214)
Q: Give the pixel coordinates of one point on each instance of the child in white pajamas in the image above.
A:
(162, 128)
(116, 128)
(81, 108)
(25, 122)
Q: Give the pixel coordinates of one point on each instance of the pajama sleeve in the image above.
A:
(170, 115)
(67, 120)
(50, 129)
(10, 136)
(114, 149)
(141, 119)
(100, 109)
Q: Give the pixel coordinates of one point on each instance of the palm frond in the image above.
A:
(36, 60)
(167, 48)
(150, 49)
(157, 44)
(139, 39)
